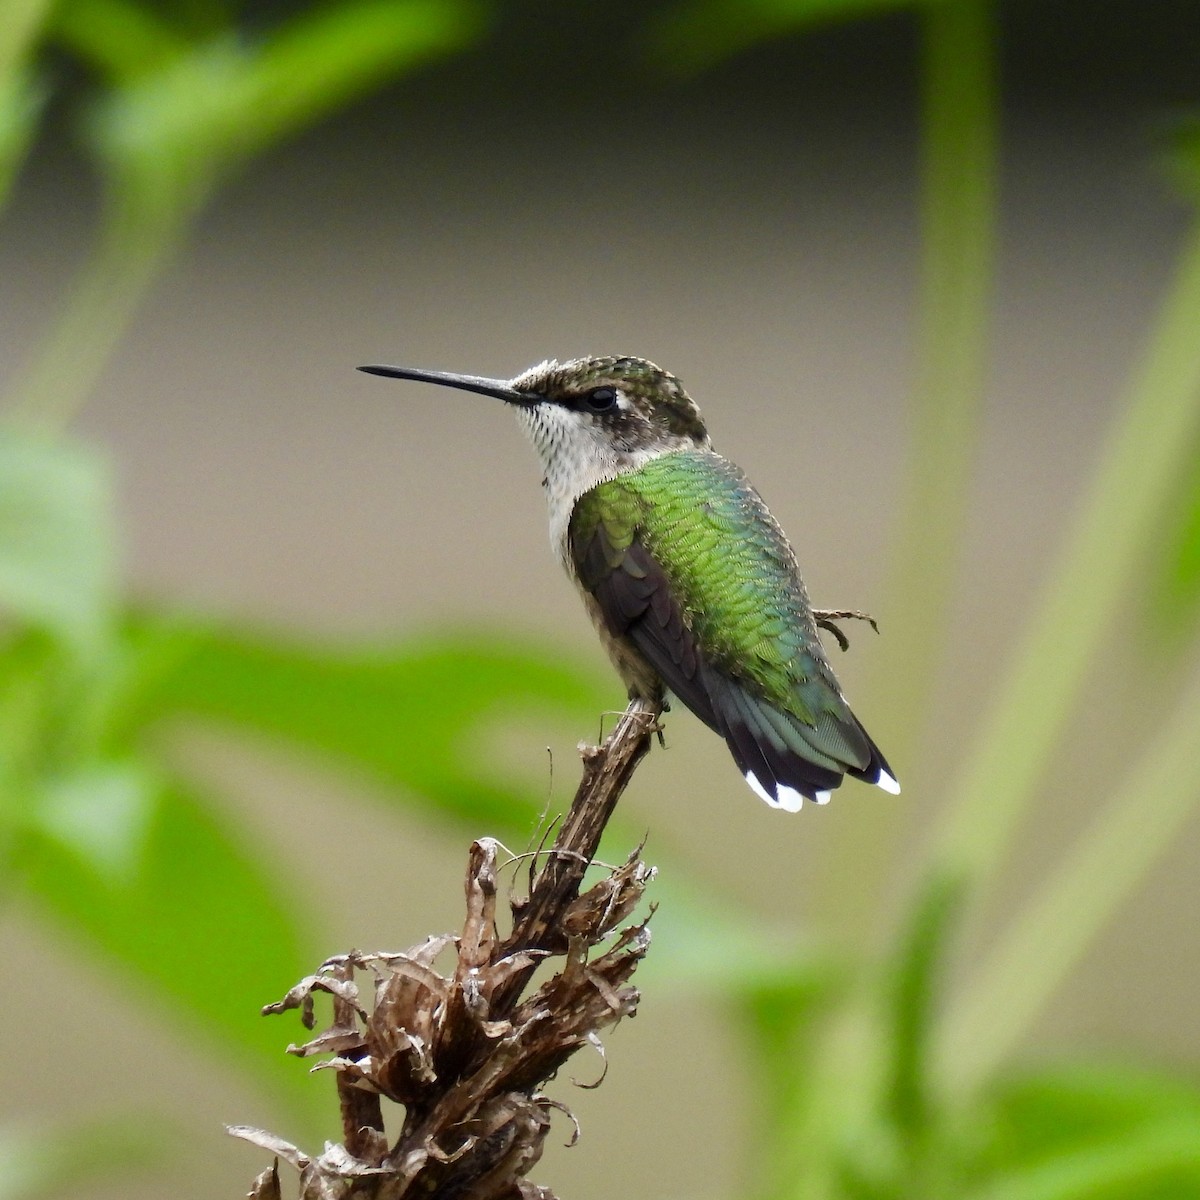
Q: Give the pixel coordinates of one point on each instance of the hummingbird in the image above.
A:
(688, 578)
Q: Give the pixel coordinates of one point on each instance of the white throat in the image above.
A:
(575, 456)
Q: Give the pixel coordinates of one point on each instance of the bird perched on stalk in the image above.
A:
(687, 576)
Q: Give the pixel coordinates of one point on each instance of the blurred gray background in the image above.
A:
(754, 231)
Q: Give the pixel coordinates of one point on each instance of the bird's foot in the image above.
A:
(659, 703)
(826, 618)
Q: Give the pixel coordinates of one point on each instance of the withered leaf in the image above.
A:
(270, 1142)
(335, 1040)
(301, 997)
(464, 1046)
(266, 1185)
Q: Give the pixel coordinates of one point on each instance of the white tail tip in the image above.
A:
(787, 799)
(889, 783)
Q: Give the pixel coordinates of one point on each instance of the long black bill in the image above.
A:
(500, 388)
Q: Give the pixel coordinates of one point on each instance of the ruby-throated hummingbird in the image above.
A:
(688, 577)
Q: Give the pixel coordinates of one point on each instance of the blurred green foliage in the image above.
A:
(872, 1081)
(44, 1160)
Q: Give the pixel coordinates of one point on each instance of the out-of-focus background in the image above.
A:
(272, 629)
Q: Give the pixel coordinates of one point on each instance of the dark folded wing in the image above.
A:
(782, 757)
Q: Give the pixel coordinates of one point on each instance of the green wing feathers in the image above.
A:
(687, 564)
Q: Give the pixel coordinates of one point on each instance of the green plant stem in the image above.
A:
(20, 23)
(1151, 436)
(136, 243)
(959, 131)
(820, 1096)
(1060, 921)
(168, 136)
(958, 202)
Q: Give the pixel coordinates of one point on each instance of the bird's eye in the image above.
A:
(600, 399)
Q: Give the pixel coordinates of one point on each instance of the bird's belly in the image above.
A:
(639, 677)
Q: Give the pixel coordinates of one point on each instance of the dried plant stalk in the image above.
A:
(465, 1051)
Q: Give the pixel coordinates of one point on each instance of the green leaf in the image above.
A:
(1087, 1132)
(58, 712)
(1175, 558)
(119, 38)
(1049, 1112)
(169, 134)
(912, 984)
(19, 30)
(182, 116)
(49, 1162)
(694, 36)
(701, 940)
(1184, 158)
(782, 1022)
(57, 540)
(417, 716)
(171, 898)
(421, 717)
(1157, 1162)
(320, 61)
(102, 813)
(781, 1018)
(165, 137)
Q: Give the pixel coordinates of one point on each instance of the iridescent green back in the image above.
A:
(731, 571)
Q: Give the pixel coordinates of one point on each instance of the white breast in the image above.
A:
(576, 456)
